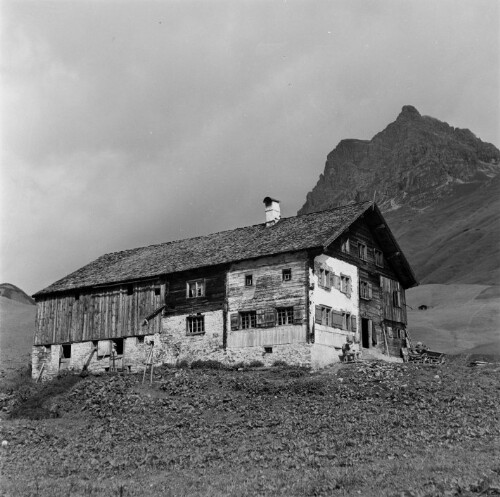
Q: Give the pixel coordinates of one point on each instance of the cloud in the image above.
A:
(126, 124)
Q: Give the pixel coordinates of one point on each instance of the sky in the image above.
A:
(125, 124)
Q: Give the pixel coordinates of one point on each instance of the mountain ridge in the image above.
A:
(422, 172)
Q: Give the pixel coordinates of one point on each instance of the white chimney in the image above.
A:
(273, 213)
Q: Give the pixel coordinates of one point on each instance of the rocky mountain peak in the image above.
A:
(414, 161)
(409, 112)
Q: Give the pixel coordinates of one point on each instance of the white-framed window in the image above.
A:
(346, 321)
(286, 274)
(285, 315)
(195, 325)
(248, 279)
(248, 319)
(324, 278)
(345, 245)
(365, 290)
(345, 284)
(362, 251)
(379, 258)
(195, 288)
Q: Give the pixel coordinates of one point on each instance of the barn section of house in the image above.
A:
(291, 289)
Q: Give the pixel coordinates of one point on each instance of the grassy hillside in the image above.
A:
(456, 240)
(17, 324)
(458, 318)
(353, 430)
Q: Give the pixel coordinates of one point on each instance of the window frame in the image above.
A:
(195, 325)
(286, 274)
(362, 251)
(202, 283)
(345, 282)
(284, 312)
(345, 246)
(248, 320)
(364, 290)
(249, 278)
(379, 257)
(346, 321)
(396, 298)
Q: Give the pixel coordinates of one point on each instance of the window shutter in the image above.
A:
(298, 314)
(269, 318)
(374, 332)
(318, 315)
(353, 323)
(336, 281)
(349, 287)
(370, 291)
(337, 319)
(235, 321)
(317, 267)
(261, 318)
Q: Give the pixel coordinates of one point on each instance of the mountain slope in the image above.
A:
(13, 292)
(438, 187)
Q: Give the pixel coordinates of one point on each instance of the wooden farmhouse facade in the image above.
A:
(292, 289)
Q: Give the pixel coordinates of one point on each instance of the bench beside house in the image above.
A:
(291, 289)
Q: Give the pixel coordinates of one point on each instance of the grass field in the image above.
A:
(370, 429)
(458, 318)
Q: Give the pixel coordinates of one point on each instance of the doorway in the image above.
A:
(365, 332)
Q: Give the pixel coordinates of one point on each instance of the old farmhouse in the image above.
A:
(292, 289)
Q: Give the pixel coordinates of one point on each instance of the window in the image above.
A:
(323, 315)
(345, 284)
(362, 251)
(345, 246)
(285, 315)
(130, 289)
(396, 298)
(118, 346)
(66, 351)
(346, 321)
(157, 291)
(248, 280)
(140, 339)
(195, 325)
(287, 274)
(268, 350)
(324, 278)
(365, 290)
(195, 288)
(248, 320)
(379, 258)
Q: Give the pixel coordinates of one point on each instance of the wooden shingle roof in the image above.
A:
(288, 235)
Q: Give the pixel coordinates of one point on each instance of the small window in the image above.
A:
(157, 291)
(248, 320)
(285, 315)
(48, 349)
(130, 289)
(379, 258)
(118, 346)
(396, 298)
(140, 339)
(268, 350)
(345, 284)
(195, 325)
(346, 321)
(362, 251)
(66, 351)
(345, 246)
(248, 280)
(365, 290)
(195, 288)
(287, 274)
(323, 315)
(324, 278)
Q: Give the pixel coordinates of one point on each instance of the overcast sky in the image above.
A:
(126, 124)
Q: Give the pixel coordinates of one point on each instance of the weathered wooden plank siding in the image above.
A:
(177, 300)
(267, 293)
(97, 314)
(392, 312)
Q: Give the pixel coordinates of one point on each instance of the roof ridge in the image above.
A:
(233, 229)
